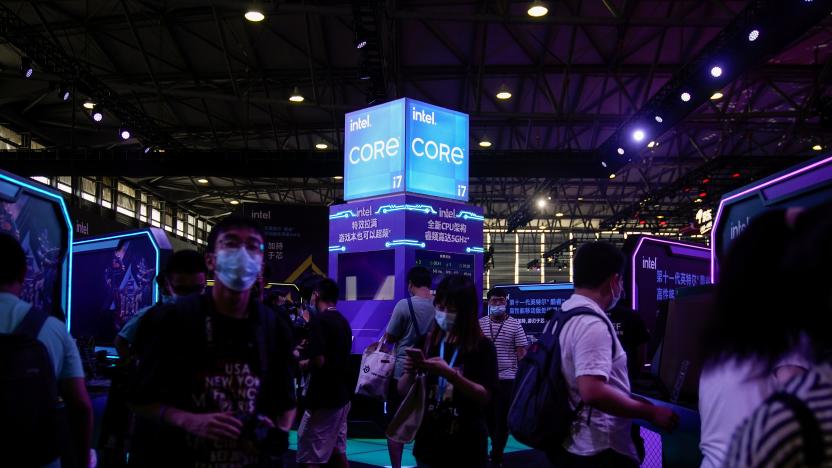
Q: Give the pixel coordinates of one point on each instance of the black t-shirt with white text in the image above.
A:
(205, 362)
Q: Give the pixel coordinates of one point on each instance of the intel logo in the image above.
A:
(423, 116)
(360, 123)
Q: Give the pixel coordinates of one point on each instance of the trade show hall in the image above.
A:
(415, 233)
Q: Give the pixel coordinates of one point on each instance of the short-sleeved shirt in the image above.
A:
(63, 352)
(586, 350)
(330, 386)
(401, 326)
(203, 362)
(453, 430)
(507, 336)
(772, 435)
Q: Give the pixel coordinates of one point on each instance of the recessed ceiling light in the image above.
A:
(537, 9)
(685, 96)
(234, 202)
(612, 176)
(651, 144)
(296, 96)
(817, 147)
(621, 151)
(338, 177)
(89, 105)
(485, 144)
(202, 180)
(559, 215)
(503, 93)
(255, 16)
(321, 146)
(716, 96)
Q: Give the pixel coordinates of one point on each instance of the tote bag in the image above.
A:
(376, 371)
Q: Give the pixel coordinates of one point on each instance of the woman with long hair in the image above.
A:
(460, 366)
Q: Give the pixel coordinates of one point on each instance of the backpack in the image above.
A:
(28, 396)
(540, 414)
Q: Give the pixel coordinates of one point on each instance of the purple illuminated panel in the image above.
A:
(374, 242)
(659, 267)
(805, 186)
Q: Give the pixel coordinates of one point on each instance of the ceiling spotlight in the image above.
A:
(234, 202)
(26, 67)
(541, 203)
(659, 119)
(603, 164)
(716, 72)
(321, 146)
(638, 135)
(698, 200)
(503, 93)
(146, 149)
(97, 116)
(64, 93)
(485, 143)
(559, 215)
(360, 38)
(753, 35)
(651, 144)
(254, 15)
(124, 133)
(685, 96)
(716, 96)
(817, 147)
(89, 105)
(360, 44)
(338, 177)
(621, 151)
(612, 176)
(296, 96)
(537, 9)
(660, 217)
(202, 180)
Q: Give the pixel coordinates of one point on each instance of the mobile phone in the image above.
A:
(415, 353)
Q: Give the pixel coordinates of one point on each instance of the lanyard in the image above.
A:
(443, 383)
(491, 328)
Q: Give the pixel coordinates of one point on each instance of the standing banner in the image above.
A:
(296, 240)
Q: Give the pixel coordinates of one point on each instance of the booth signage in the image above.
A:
(406, 146)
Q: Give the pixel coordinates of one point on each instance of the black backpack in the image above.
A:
(28, 396)
(540, 415)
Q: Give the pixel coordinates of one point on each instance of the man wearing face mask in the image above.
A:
(510, 340)
(217, 381)
(410, 321)
(595, 368)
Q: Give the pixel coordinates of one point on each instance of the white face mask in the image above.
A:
(236, 269)
(445, 320)
(497, 311)
(615, 297)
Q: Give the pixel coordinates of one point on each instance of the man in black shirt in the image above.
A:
(216, 382)
(322, 435)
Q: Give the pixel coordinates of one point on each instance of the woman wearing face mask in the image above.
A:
(461, 369)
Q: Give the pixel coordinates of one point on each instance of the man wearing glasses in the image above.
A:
(217, 380)
(510, 340)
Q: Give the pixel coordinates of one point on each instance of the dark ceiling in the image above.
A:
(218, 86)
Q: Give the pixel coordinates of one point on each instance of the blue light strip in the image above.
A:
(343, 215)
(426, 209)
(337, 248)
(406, 242)
(125, 236)
(546, 287)
(66, 293)
(474, 250)
(468, 215)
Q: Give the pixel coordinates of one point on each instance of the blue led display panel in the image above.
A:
(437, 151)
(406, 145)
(374, 151)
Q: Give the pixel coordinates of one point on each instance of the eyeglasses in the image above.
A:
(252, 245)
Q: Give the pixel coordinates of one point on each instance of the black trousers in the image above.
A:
(607, 459)
(498, 417)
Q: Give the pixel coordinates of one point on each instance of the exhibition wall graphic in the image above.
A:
(37, 217)
(296, 240)
(528, 303)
